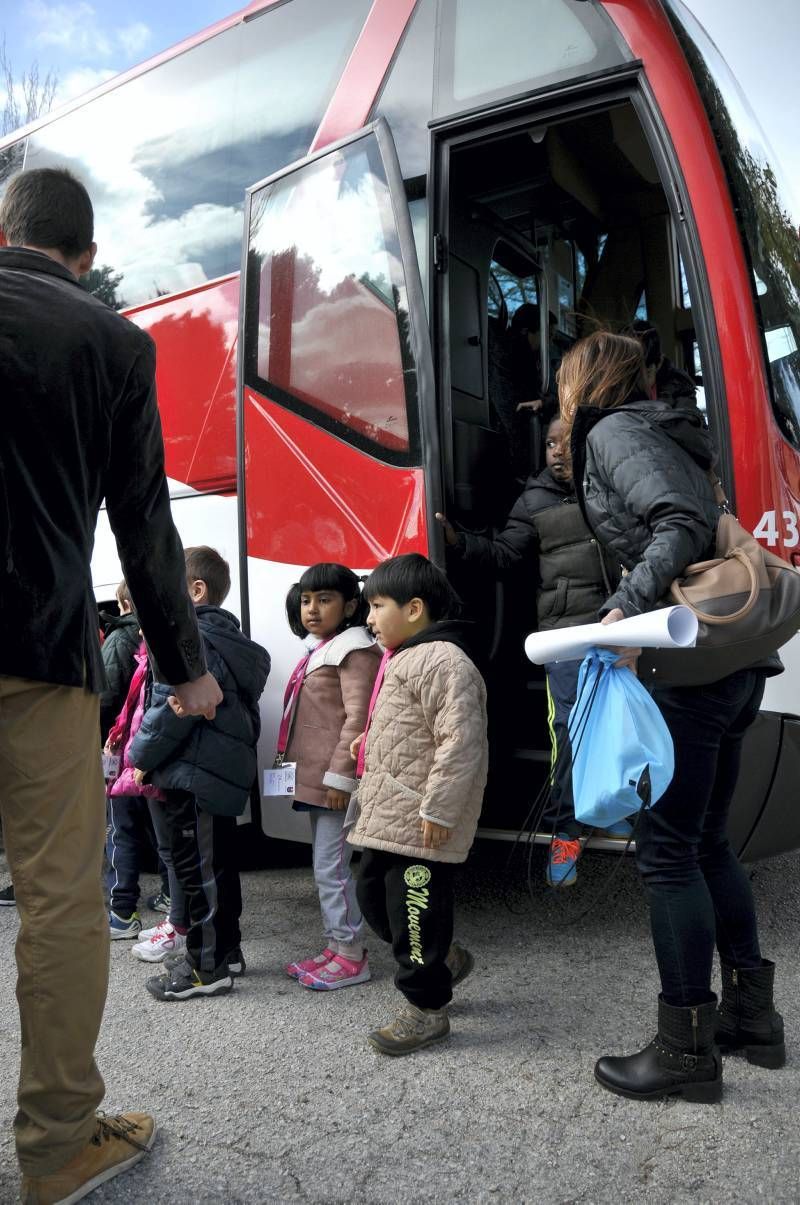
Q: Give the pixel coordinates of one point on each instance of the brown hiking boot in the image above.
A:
(411, 1029)
(459, 963)
(118, 1143)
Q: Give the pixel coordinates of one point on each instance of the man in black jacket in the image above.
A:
(79, 423)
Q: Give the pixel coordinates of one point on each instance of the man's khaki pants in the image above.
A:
(52, 802)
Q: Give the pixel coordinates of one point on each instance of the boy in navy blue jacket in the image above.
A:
(206, 769)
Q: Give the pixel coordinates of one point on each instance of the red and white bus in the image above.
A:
(326, 214)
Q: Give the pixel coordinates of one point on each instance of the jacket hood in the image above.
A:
(547, 482)
(685, 426)
(333, 652)
(247, 661)
(455, 631)
(112, 622)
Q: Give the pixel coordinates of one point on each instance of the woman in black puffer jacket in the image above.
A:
(641, 471)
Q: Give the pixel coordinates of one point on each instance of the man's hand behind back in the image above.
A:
(201, 697)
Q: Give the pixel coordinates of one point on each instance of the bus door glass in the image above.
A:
(336, 412)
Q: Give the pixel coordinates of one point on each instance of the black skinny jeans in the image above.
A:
(699, 894)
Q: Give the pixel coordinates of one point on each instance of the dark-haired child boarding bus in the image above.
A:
(422, 763)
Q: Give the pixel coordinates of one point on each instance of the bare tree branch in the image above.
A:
(26, 98)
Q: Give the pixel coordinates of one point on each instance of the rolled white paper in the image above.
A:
(667, 628)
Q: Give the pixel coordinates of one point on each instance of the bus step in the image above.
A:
(598, 841)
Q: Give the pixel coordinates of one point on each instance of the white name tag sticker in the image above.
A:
(280, 781)
(110, 765)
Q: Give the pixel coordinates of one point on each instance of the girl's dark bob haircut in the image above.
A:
(413, 576)
(327, 575)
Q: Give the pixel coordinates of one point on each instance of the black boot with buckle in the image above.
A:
(747, 1019)
(682, 1060)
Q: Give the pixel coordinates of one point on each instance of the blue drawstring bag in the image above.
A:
(622, 753)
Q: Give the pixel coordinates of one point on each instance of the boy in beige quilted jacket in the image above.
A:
(422, 763)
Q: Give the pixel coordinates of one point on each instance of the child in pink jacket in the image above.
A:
(325, 707)
(131, 808)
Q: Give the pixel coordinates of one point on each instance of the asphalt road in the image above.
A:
(271, 1094)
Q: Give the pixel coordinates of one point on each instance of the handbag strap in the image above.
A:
(720, 495)
(745, 609)
(721, 499)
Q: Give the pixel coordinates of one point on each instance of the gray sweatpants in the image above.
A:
(341, 916)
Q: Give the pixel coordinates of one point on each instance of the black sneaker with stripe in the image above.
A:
(235, 960)
(184, 982)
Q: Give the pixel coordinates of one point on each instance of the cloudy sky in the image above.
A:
(86, 41)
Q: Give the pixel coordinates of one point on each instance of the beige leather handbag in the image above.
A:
(747, 601)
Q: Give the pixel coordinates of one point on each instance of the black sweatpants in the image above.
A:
(409, 903)
(204, 856)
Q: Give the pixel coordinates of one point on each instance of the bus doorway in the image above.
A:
(551, 225)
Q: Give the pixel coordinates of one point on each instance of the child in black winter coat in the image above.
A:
(119, 648)
(547, 534)
(206, 769)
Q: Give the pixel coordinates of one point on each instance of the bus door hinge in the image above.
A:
(440, 253)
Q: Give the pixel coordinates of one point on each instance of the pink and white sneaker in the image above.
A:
(295, 969)
(146, 934)
(163, 941)
(339, 972)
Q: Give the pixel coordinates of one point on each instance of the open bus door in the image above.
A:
(571, 206)
(337, 434)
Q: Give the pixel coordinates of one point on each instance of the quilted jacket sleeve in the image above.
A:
(162, 732)
(356, 679)
(662, 488)
(517, 542)
(453, 699)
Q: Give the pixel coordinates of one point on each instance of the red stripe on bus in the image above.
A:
(350, 105)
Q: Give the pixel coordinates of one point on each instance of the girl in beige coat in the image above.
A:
(324, 709)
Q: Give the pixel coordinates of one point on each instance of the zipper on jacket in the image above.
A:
(603, 569)
(735, 982)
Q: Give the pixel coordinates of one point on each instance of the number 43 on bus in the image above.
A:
(768, 529)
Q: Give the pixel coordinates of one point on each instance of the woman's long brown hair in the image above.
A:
(601, 370)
